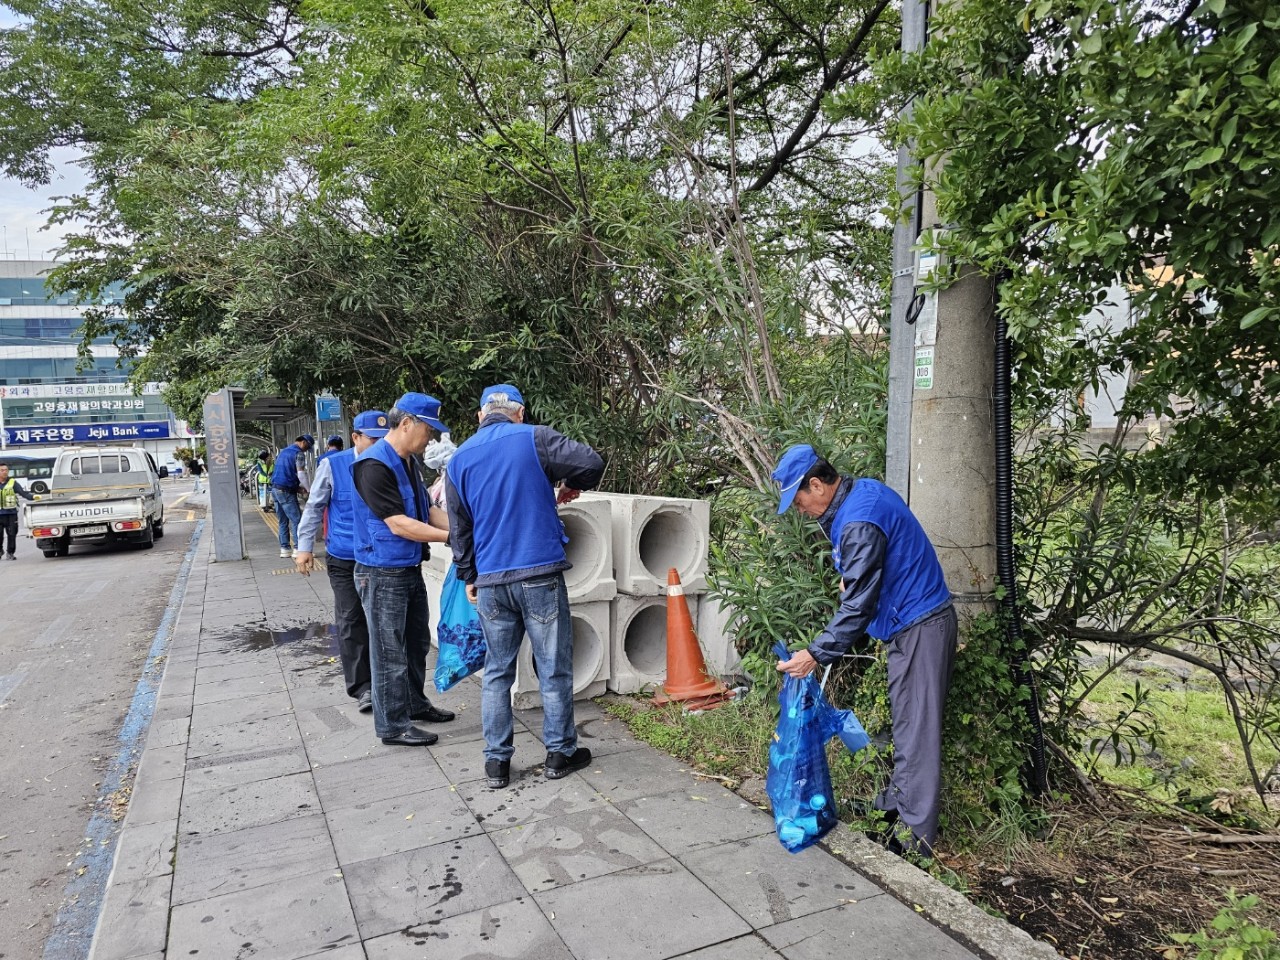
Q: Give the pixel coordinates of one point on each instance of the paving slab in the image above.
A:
(169, 733)
(557, 852)
(643, 773)
(158, 801)
(765, 884)
(658, 910)
(237, 687)
(741, 948)
(357, 782)
(145, 851)
(879, 929)
(162, 763)
(206, 812)
(134, 919)
(430, 883)
(396, 824)
(232, 769)
(462, 761)
(209, 866)
(243, 736)
(246, 709)
(284, 921)
(530, 796)
(698, 815)
(507, 931)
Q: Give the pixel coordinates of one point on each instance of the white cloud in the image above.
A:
(24, 212)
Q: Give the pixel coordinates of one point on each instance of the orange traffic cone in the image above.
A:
(687, 679)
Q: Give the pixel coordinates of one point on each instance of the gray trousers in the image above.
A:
(921, 658)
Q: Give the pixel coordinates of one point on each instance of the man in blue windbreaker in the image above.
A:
(892, 589)
(393, 525)
(334, 488)
(508, 548)
(287, 480)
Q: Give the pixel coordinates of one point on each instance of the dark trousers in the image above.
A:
(9, 531)
(395, 607)
(353, 630)
(921, 658)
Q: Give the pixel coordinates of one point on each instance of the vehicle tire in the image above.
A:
(63, 550)
(50, 553)
(158, 530)
(150, 542)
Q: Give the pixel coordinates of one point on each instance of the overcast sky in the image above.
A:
(22, 219)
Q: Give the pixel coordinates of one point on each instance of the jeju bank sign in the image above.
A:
(87, 433)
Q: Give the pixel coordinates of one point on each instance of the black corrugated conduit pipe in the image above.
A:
(1039, 779)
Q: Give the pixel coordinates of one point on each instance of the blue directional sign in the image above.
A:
(87, 433)
(328, 408)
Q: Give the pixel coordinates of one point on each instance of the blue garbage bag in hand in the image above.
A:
(799, 782)
(459, 637)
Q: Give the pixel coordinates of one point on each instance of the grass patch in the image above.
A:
(1193, 749)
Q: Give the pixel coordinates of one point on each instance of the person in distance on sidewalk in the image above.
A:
(393, 525)
(287, 479)
(892, 589)
(334, 488)
(10, 491)
(508, 548)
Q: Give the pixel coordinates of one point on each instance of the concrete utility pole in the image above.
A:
(941, 439)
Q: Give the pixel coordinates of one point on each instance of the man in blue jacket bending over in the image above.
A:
(892, 589)
(393, 525)
(287, 480)
(508, 548)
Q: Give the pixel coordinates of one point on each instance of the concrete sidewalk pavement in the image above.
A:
(268, 822)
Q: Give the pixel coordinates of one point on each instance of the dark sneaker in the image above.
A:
(498, 772)
(365, 703)
(433, 714)
(561, 764)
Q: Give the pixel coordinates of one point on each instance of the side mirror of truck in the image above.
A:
(164, 472)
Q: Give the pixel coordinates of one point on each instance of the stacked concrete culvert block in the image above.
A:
(653, 534)
(713, 623)
(591, 658)
(588, 523)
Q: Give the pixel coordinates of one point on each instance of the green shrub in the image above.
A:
(1232, 935)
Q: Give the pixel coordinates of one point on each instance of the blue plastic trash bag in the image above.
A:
(459, 637)
(799, 782)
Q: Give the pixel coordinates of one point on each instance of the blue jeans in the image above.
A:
(539, 607)
(395, 607)
(288, 515)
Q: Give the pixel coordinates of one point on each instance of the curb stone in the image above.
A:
(953, 911)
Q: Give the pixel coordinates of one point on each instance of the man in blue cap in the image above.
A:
(393, 525)
(508, 548)
(331, 446)
(287, 480)
(893, 589)
(334, 489)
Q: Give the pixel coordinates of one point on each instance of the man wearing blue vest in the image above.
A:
(508, 548)
(334, 488)
(287, 479)
(393, 525)
(332, 445)
(893, 589)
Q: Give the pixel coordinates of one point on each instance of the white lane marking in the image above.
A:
(54, 631)
(9, 682)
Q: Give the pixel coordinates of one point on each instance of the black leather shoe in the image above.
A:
(498, 772)
(365, 703)
(433, 714)
(562, 764)
(413, 737)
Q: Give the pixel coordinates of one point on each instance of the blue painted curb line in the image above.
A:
(73, 929)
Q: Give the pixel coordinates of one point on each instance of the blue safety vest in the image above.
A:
(376, 545)
(912, 585)
(285, 474)
(341, 541)
(500, 478)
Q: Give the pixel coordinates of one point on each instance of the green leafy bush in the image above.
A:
(1232, 935)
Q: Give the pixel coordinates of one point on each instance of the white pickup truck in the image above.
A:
(98, 495)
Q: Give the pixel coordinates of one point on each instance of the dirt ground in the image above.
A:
(1114, 885)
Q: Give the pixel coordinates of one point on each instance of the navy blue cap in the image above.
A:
(372, 423)
(309, 438)
(795, 463)
(501, 392)
(422, 407)
(333, 441)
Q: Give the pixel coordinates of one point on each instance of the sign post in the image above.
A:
(224, 476)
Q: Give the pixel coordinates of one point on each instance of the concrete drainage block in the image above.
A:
(588, 523)
(652, 535)
(590, 658)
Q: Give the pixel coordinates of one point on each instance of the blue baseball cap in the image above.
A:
(795, 463)
(422, 407)
(506, 390)
(372, 423)
(334, 441)
(309, 438)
